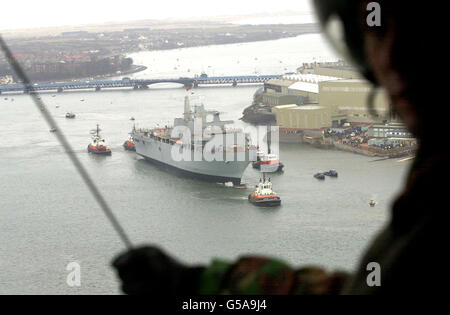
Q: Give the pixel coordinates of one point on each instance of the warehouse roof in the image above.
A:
(305, 86)
(286, 106)
(308, 77)
(301, 107)
(308, 82)
(309, 107)
(280, 82)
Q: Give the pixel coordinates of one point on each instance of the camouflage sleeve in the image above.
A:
(265, 276)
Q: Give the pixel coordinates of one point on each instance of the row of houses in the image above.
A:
(7, 79)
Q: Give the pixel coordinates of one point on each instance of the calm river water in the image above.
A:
(48, 219)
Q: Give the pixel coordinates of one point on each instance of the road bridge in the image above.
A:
(98, 85)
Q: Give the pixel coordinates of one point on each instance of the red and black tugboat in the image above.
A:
(98, 145)
(129, 144)
(264, 196)
(269, 162)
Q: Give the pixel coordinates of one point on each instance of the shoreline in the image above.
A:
(135, 69)
(141, 68)
(223, 44)
(363, 149)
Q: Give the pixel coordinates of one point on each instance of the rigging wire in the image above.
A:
(66, 145)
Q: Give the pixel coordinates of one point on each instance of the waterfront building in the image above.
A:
(276, 92)
(341, 96)
(347, 101)
(337, 70)
(307, 85)
(304, 117)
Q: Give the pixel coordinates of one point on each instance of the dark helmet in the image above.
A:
(343, 24)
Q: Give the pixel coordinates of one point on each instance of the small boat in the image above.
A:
(264, 196)
(97, 146)
(129, 144)
(132, 119)
(57, 106)
(53, 130)
(269, 163)
(82, 100)
(319, 176)
(372, 203)
(331, 173)
(70, 115)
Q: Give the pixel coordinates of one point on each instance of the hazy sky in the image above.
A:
(38, 13)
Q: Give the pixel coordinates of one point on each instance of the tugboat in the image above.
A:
(331, 173)
(319, 176)
(97, 145)
(264, 196)
(70, 115)
(270, 162)
(129, 144)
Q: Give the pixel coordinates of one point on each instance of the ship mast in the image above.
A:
(187, 109)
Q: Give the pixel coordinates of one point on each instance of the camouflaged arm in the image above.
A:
(264, 276)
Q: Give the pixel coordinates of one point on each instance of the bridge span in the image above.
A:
(137, 83)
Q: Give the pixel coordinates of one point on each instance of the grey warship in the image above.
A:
(158, 145)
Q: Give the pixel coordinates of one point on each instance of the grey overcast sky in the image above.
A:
(40, 13)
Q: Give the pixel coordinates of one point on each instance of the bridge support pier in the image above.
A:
(234, 84)
(97, 88)
(196, 84)
(60, 90)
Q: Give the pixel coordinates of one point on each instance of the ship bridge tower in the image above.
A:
(187, 109)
